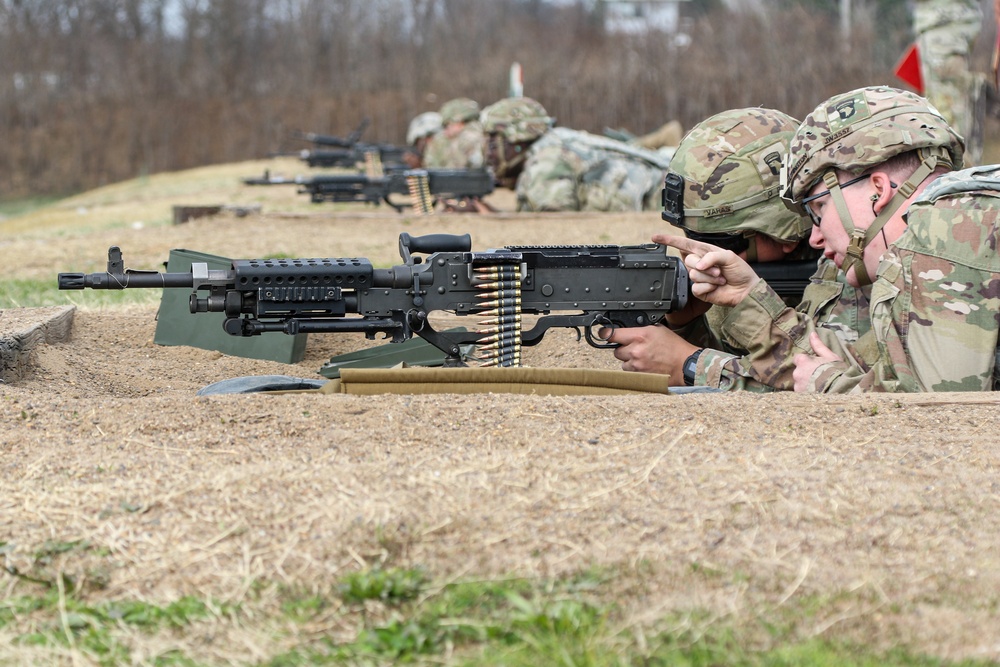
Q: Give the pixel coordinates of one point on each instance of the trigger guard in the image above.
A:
(597, 341)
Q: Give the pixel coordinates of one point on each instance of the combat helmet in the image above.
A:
(517, 119)
(424, 125)
(856, 131)
(459, 110)
(724, 178)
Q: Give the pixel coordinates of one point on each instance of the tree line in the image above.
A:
(98, 91)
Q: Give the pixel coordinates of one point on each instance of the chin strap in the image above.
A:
(931, 158)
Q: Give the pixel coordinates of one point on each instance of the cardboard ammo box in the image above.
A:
(177, 325)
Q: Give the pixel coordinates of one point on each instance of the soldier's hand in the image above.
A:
(806, 364)
(717, 276)
(654, 349)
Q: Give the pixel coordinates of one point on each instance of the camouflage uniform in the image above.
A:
(946, 31)
(936, 293)
(770, 333)
(465, 150)
(558, 169)
(936, 298)
(730, 168)
(570, 170)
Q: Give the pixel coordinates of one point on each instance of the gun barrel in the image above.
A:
(126, 280)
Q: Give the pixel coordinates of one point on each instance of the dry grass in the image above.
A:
(873, 518)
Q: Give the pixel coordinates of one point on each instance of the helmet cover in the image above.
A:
(863, 128)
(517, 119)
(459, 110)
(424, 125)
(730, 166)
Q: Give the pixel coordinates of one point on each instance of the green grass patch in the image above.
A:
(524, 623)
(391, 587)
(104, 632)
(403, 617)
(51, 616)
(34, 293)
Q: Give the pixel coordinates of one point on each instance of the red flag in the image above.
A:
(908, 69)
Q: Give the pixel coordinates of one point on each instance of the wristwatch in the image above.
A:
(690, 364)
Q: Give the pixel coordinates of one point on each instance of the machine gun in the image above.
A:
(788, 279)
(357, 156)
(579, 287)
(328, 140)
(424, 187)
(373, 158)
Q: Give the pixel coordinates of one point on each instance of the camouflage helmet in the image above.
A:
(517, 119)
(424, 125)
(863, 128)
(459, 110)
(724, 177)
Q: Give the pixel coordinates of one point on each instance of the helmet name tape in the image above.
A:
(837, 136)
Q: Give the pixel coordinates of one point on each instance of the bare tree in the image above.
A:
(93, 91)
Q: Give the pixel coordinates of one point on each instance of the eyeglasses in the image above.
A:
(812, 214)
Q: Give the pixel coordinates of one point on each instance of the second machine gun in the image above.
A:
(579, 287)
(423, 187)
(318, 139)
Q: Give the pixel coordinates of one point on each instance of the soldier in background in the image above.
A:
(946, 31)
(461, 143)
(558, 169)
(421, 131)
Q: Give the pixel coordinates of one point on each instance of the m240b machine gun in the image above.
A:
(317, 139)
(580, 287)
(423, 187)
(383, 156)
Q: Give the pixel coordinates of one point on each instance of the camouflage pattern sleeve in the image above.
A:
(719, 368)
(569, 170)
(719, 365)
(935, 306)
(465, 150)
(548, 181)
(727, 371)
(773, 333)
